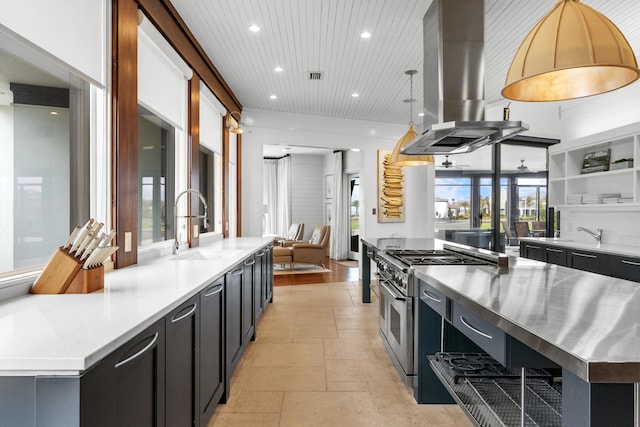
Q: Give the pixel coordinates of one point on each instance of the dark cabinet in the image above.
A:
(127, 388)
(268, 279)
(248, 294)
(588, 261)
(625, 267)
(181, 358)
(212, 349)
(259, 288)
(556, 256)
(533, 251)
(233, 320)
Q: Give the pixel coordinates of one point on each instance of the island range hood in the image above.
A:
(453, 32)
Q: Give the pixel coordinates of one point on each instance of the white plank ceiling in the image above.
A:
(303, 36)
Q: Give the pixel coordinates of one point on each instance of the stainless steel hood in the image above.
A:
(453, 32)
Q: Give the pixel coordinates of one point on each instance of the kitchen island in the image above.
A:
(105, 358)
(586, 323)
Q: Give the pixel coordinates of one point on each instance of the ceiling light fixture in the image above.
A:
(234, 126)
(254, 28)
(404, 159)
(273, 97)
(355, 94)
(365, 35)
(278, 69)
(574, 51)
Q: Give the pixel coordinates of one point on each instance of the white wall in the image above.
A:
(307, 191)
(266, 127)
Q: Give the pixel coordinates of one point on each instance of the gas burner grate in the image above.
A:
(481, 365)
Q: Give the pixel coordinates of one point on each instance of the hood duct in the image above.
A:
(453, 32)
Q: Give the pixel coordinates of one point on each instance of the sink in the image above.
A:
(204, 255)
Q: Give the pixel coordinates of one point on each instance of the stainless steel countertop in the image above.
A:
(606, 248)
(585, 322)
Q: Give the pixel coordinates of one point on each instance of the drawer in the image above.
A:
(434, 299)
(588, 261)
(487, 336)
(498, 344)
(556, 256)
(626, 268)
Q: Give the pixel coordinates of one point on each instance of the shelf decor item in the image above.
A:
(596, 161)
(622, 164)
(390, 189)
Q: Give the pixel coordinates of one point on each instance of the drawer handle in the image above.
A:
(431, 296)
(248, 263)
(138, 354)
(237, 272)
(214, 290)
(464, 322)
(554, 250)
(393, 293)
(187, 314)
(624, 261)
(532, 247)
(583, 255)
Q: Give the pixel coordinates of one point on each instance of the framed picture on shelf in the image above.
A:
(596, 161)
(328, 186)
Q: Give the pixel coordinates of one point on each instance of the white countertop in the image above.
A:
(66, 334)
(607, 248)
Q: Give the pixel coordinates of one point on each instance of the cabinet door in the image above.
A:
(268, 279)
(534, 251)
(211, 349)
(258, 288)
(625, 268)
(248, 314)
(127, 388)
(233, 320)
(556, 256)
(181, 358)
(588, 261)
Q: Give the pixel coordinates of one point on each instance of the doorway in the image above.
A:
(354, 216)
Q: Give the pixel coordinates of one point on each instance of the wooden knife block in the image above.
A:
(64, 274)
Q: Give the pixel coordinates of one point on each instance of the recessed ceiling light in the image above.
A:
(355, 94)
(354, 149)
(273, 97)
(54, 113)
(365, 35)
(254, 28)
(420, 114)
(278, 69)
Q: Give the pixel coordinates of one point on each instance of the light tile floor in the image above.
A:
(318, 361)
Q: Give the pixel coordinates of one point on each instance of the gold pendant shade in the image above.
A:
(398, 159)
(574, 51)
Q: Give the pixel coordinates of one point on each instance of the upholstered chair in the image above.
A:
(315, 250)
(295, 233)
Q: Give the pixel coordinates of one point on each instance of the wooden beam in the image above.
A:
(124, 130)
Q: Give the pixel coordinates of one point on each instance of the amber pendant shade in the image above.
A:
(398, 159)
(573, 52)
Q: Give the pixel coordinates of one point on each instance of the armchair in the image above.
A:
(315, 250)
(295, 233)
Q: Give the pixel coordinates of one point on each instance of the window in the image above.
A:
(44, 169)
(453, 202)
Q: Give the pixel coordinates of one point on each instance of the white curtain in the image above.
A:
(340, 230)
(283, 205)
(269, 196)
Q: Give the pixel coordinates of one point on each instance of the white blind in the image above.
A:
(211, 112)
(162, 76)
(73, 31)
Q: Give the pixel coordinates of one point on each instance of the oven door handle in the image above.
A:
(393, 293)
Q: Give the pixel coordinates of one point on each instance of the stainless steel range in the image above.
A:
(398, 294)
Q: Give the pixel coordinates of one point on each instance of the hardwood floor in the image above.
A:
(338, 273)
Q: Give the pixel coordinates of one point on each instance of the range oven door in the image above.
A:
(396, 326)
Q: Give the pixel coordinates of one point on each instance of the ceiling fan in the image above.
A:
(449, 164)
(522, 167)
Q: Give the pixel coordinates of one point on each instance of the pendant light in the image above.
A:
(574, 51)
(398, 159)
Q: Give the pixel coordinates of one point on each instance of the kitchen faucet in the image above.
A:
(595, 234)
(176, 246)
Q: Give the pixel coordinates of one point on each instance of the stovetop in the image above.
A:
(433, 257)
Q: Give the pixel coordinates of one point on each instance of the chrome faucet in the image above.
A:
(176, 246)
(595, 234)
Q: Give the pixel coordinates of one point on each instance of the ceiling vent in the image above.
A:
(315, 75)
